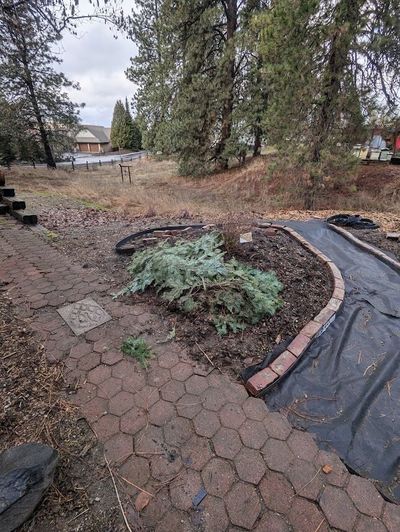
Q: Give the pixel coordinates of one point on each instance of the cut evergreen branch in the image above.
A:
(137, 348)
(195, 276)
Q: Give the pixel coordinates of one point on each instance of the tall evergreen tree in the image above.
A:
(326, 65)
(118, 126)
(29, 81)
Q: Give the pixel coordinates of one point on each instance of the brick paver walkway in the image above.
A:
(179, 431)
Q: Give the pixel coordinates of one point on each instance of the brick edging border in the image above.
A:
(393, 263)
(259, 383)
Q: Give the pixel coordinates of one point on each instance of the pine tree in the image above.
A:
(29, 81)
(326, 65)
(118, 126)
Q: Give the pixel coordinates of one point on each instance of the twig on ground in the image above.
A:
(117, 494)
(135, 486)
(319, 526)
(76, 517)
(205, 354)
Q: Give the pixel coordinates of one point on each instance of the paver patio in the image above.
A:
(179, 430)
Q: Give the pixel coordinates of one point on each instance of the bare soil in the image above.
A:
(36, 409)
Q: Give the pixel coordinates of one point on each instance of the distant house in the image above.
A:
(93, 139)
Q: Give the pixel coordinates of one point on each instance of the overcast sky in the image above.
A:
(97, 61)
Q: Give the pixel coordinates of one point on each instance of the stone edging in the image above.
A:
(269, 376)
(363, 245)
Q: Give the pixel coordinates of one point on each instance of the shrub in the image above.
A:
(194, 275)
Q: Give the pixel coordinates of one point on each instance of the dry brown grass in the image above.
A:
(158, 190)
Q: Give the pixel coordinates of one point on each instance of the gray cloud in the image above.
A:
(97, 61)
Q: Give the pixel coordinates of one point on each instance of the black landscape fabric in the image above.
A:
(346, 387)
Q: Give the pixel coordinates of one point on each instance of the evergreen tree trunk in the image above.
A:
(19, 40)
(346, 20)
(231, 11)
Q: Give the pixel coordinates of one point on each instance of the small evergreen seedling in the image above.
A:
(137, 348)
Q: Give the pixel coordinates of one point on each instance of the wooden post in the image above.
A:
(122, 173)
(72, 164)
(33, 164)
(87, 166)
(99, 162)
(129, 173)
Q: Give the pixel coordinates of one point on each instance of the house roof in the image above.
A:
(96, 134)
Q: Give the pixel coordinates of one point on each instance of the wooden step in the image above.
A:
(14, 203)
(3, 208)
(7, 192)
(25, 217)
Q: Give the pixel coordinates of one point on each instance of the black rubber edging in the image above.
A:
(120, 249)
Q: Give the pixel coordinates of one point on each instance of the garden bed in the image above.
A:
(306, 290)
(378, 239)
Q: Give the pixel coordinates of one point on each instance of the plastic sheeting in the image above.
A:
(346, 387)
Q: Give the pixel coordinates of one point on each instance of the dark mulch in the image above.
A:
(35, 409)
(307, 289)
(378, 238)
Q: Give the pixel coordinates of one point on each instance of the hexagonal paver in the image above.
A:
(305, 515)
(161, 412)
(234, 392)
(214, 516)
(206, 423)
(156, 509)
(106, 426)
(227, 443)
(89, 361)
(250, 465)
(150, 440)
(178, 431)
(134, 381)
(391, 517)
(181, 372)
(168, 360)
(172, 391)
(196, 384)
(196, 452)
(158, 377)
(189, 406)
(277, 492)
(94, 409)
(111, 357)
(184, 489)
(109, 388)
(213, 399)
(118, 447)
(231, 416)
(133, 421)
(305, 479)
(99, 374)
(277, 455)
(302, 445)
(277, 426)
(166, 466)
(122, 368)
(147, 397)
(136, 469)
(369, 524)
(365, 496)
(243, 505)
(255, 408)
(218, 476)
(80, 350)
(121, 403)
(338, 475)
(253, 434)
(272, 522)
(338, 508)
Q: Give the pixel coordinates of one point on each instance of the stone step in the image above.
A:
(7, 192)
(25, 217)
(14, 203)
(3, 208)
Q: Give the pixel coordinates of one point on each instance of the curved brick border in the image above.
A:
(267, 377)
(367, 247)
